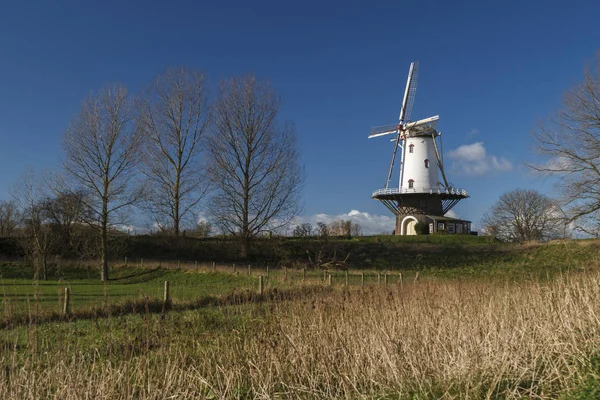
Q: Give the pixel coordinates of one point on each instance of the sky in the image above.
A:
(491, 70)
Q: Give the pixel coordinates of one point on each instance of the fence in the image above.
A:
(76, 288)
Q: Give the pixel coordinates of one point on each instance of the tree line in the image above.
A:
(342, 227)
(171, 151)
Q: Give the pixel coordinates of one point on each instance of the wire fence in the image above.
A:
(75, 286)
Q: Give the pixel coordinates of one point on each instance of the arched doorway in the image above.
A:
(408, 226)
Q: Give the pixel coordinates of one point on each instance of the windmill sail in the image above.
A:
(383, 130)
(412, 92)
(409, 93)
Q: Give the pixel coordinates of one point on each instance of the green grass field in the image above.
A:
(21, 296)
(190, 281)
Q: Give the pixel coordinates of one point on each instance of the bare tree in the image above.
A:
(174, 116)
(102, 147)
(523, 215)
(303, 230)
(9, 218)
(31, 194)
(355, 229)
(253, 161)
(571, 143)
(322, 229)
(203, 229)
(67, 212)
(344, 228)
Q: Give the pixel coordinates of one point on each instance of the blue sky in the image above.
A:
(491, 70)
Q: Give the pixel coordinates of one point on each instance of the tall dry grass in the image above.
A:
(434, 339)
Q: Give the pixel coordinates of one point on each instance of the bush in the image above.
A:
(421, 228)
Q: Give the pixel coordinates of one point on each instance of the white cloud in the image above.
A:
(558, 164)
(371, 224)
(473, 160)
(126, 228)
(201, 217)
(452, 214)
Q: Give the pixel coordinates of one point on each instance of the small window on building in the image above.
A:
(411, 148)
(441, 226)
(411, 183)
(426, 163)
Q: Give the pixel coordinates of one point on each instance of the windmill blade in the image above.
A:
(409, 92)
(412, 92)
(422, 126)
(428, 122)
(387, 182)
(439, 161)
(383, 130)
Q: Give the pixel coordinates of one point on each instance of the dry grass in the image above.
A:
(435, 339)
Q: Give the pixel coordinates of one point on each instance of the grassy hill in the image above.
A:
(439, 254)
(450, 255)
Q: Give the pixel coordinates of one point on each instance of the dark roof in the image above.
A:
(438, 218)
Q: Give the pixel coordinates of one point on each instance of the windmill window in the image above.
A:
(426, 163)
(411, 148)
(411, 183)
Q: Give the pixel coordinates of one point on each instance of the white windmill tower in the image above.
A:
(420, 196)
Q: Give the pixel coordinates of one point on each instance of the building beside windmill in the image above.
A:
(420, 198)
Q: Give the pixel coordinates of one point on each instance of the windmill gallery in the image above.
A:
(421, 201)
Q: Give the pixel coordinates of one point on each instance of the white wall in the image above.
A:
(414, 165)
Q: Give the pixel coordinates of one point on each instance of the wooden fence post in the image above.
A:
(267, 272)
(417, 277)
(329, 280)
(249, 270)
(346, 277)
(324, 275)
(400, 278)
(67, 304)
(234, 269)
(125, 261)
(214, 266)
(362, 279)
(178, 264)
(260, 285)
(167, 297)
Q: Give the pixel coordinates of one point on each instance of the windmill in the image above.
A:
(420, 196)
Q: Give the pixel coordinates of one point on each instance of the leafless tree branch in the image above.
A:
(30, 194)
(174, 117)
(102, 152)
(571, 143)
(253, 161)
(524, 215)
